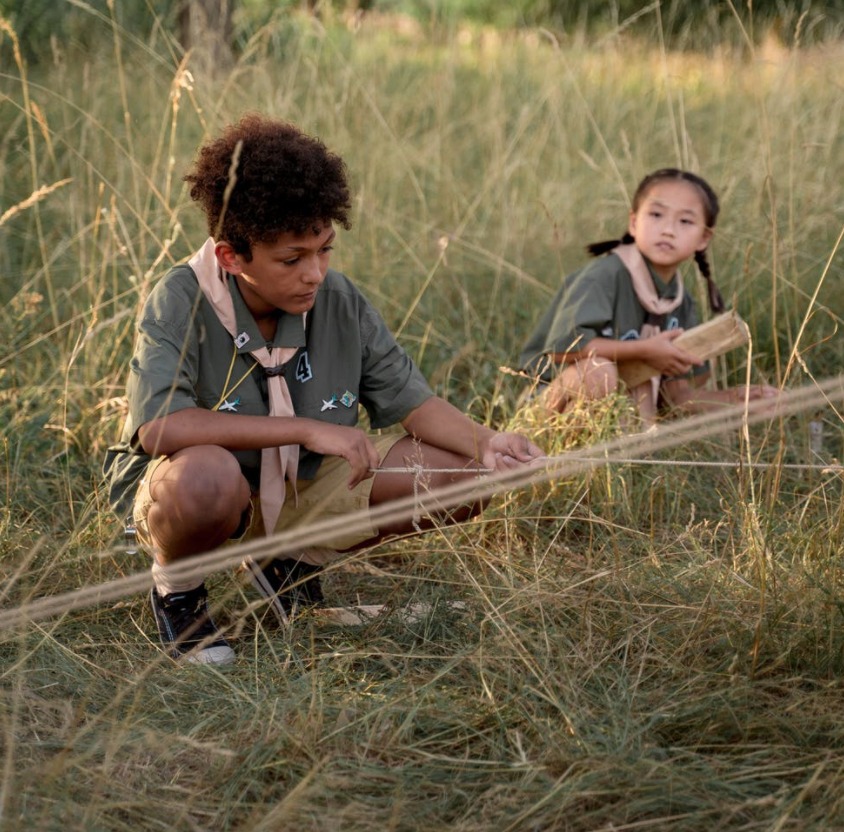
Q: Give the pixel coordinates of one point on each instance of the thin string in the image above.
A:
(789, 466)
(779, 466)
(417, 471)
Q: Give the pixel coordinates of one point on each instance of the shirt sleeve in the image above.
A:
(582, 309)
(164, 369)
(391, 385)
(592, 305)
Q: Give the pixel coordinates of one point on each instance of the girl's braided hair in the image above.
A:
(710, 211)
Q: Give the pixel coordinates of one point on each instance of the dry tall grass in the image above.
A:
(651, 647)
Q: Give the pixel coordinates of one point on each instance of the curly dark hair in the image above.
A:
(262, 177)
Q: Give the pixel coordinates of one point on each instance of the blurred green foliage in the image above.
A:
(683, 24)
(43, 27)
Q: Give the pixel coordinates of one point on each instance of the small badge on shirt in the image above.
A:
(329, 404)
(348, 399)
(230, 406)
(242, 340)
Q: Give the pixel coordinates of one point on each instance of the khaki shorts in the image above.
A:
(143, 501)
(322, 498)
(327, 496)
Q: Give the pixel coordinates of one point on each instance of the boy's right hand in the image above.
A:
(660, 352)
(338, 440)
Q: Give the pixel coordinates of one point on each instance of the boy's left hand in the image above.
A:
(505, 451)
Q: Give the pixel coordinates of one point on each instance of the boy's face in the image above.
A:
(285, 274)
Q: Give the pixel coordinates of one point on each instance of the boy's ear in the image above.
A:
(229, 260)
(631, 224)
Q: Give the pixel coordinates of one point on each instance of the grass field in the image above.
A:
(652, 646)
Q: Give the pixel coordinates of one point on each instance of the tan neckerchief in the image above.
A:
(643, 286)
(280, 462)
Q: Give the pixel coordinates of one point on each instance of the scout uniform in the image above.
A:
(185, 358)
(597, 301)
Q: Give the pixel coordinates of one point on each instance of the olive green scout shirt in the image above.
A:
(185, 358)
(598, 300)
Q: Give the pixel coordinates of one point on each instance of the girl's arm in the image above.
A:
(442, 425)
(658, 351)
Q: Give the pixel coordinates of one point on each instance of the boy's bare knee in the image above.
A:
(202, 485)
(211, 498)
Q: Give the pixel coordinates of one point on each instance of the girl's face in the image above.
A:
(670, 225)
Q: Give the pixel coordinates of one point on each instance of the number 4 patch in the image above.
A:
(303, 368)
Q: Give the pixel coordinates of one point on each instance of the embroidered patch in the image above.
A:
(348, 399)
(673, 323)
(303, 368)
(230, 406)
(329, 404)
(242, 340)
(632, 335)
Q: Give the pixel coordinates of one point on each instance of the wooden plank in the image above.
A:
(715, 337)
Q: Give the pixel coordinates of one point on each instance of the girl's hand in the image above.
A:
(661, 352)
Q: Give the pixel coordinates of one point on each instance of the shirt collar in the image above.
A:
(290, 331)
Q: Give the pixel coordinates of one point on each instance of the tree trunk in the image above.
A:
(205, 28)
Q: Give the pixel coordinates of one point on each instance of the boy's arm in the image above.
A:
(237, 432)
(442, 425)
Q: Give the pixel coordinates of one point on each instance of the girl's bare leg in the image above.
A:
(590, 379)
